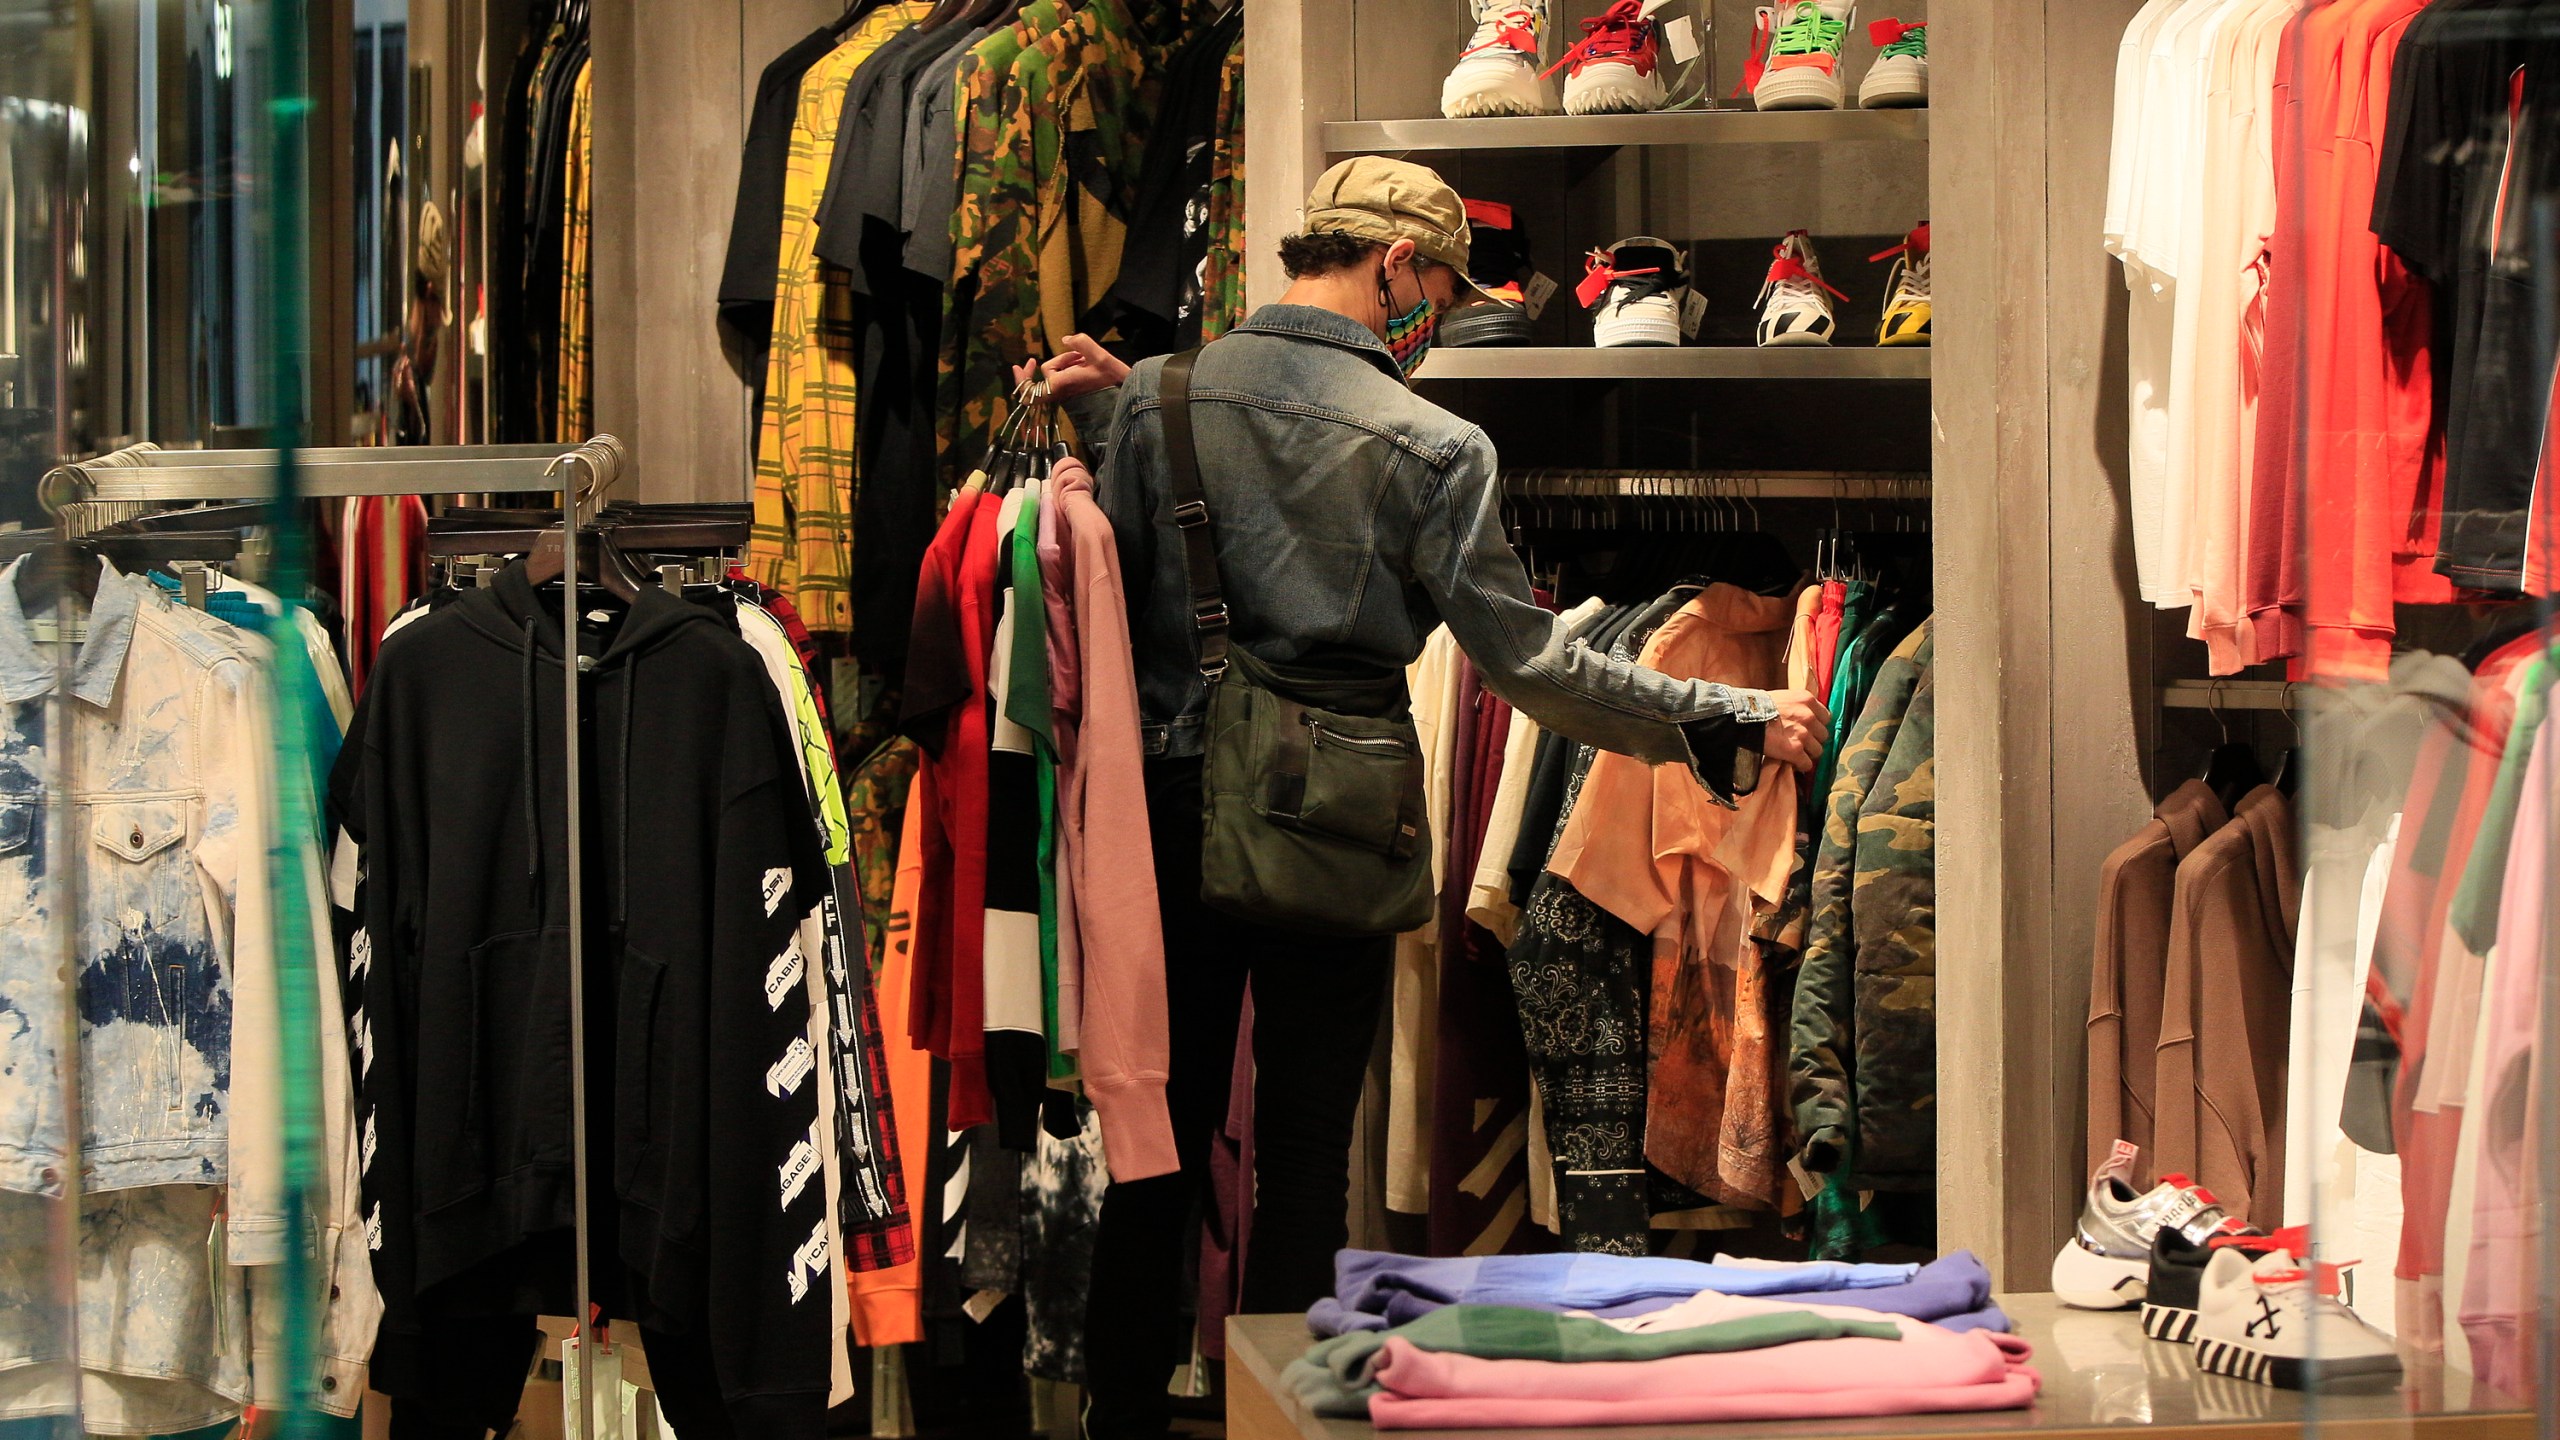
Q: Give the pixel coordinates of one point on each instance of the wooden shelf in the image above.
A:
(1688, 362)
(1678, 127)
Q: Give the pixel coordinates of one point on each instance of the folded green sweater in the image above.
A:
(1334, 1376)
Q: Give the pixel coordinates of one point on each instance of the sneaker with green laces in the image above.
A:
(1899, 80)
(1796, 59)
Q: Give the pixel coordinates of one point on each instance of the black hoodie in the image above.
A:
(700, 861)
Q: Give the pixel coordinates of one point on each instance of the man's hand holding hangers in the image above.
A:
(1080, 367)
(1796, 736)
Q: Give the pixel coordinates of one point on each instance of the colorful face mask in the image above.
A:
(1409, 335)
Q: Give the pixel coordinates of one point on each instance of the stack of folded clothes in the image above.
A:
(1556, 1340)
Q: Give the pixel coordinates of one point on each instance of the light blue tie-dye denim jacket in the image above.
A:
(160, 860)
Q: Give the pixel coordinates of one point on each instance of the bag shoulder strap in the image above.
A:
(1191, 517)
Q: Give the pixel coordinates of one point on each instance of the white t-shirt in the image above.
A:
(2134, 150)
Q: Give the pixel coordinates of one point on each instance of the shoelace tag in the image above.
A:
(1596, 276)
(1693, 312)
(1882, 33)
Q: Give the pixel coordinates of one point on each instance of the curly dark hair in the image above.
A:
(1323, 253)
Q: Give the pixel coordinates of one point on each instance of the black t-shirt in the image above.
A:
(753, 266)
(855, 156)
(1158, 285)
(2468, 150)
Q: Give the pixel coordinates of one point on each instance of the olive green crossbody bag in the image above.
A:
(1312, 811)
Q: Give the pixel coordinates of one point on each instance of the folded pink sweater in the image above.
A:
(1928, 1370)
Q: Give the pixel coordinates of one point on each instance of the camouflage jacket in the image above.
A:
(1821, 1051)
(1895, 995)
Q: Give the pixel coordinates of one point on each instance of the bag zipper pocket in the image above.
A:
(1378, 744)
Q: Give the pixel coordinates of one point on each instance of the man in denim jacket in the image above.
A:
(1352, 517)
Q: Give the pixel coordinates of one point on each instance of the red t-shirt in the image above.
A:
(2371, 402)
(946, 714)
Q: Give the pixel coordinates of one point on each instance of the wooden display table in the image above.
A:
(2100, 1374)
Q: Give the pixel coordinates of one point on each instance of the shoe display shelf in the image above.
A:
(1609, 132)
(1685, 362)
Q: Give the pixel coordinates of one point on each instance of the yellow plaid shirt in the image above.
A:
(802, 542)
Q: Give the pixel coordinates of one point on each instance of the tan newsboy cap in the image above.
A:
(1385, 200)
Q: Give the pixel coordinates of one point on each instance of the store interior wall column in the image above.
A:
(2041, 761)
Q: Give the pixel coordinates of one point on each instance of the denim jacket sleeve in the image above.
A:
(1468, 568)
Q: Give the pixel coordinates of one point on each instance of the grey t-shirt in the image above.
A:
(931, 188)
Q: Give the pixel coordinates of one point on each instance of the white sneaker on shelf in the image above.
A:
(1498, 74)
(1899, 80)
(1616, 67)
(2267, 1318)
(1632, 290)
(1795, 301)
(1796, 59)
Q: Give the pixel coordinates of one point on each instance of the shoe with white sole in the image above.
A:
(1497, 262)
(1899, 80)
(1906, 306)
(1498, 74)
(1795, 301)
(1616, 67)
(2269, 1319)
(1796, 65)
(1632, 290)
(2106, 1264)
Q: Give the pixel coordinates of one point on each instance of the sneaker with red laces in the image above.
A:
(1795, 301)
(1497, 261)
(1906, 306)
(1616, 67)
(1899, 80)
(1498, 74)
(1795, 61)
(1632, 290)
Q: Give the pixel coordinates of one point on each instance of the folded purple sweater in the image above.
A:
(1374, 1290)
(1952, 1292)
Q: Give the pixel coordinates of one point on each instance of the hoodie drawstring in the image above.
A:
(532, 798)
(622, 810)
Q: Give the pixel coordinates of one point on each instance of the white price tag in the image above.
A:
(1693, 313)
(1806, 1180)
(1537, 293)
(1681, 34)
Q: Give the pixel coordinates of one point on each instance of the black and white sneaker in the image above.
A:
(2177, 1275)
(1632, 290)
(2269, 1320)
(1795, 301)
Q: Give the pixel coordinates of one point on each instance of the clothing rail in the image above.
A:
(582, 475)
(2232, 695)
(147, 472)
(1716, 485)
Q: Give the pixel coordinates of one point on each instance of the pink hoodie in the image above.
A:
(1122, 1047)
(1928, 1370)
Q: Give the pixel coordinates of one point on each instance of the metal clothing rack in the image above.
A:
(581, 475)
(2233, 695)
(1846, 485)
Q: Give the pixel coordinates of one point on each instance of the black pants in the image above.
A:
(464, 1379)
(1315, 1008)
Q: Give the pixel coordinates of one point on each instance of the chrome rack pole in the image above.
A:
(601, 460)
